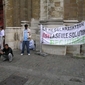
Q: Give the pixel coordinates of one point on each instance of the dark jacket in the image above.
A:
(7, 51)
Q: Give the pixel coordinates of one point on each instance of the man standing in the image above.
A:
(1, 37)
(6, 53)
(25, 39)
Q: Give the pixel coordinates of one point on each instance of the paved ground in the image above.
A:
(49, 70)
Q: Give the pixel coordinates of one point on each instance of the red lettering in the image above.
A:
(45, 35)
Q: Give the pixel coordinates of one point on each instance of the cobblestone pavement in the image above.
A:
(48, 70)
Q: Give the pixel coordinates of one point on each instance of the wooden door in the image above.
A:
(1, 13)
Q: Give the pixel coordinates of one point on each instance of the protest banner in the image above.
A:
(66, 35)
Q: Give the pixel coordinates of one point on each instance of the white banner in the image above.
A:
(67, 35)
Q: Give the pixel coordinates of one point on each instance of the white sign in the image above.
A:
(67, 35)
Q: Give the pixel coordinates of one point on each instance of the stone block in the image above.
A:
(33, 36)
(57, 4)
(33, 31)
(72, 1)
(75, 49)
(52, 49)
(35, 9)
(51, 1)
(52, 9)
(83, 48)
(9, 34)
(66, 1)
(12, 38)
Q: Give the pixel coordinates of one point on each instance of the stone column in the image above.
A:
(43, 9)
(52, 16)
(9, 33)
(55, 9)
(51, 9)
(9, 13)
(16, 13)
(35, 9)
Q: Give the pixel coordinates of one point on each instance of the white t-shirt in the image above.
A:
(1, 38)
(2, 33)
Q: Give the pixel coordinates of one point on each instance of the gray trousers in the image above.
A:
(7, 57)
(1, 42)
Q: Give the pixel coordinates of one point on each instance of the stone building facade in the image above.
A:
(50, 13)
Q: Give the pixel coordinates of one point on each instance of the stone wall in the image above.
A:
(73, 49)
(55, 9)
(12, 37)
(9, 37)
(51, 9)
(21, 11)
(35, 9)
(80, 9)
(9, 13)
(15, 12)
(83, 9)
(54, 49)
(74, 10)
(45, 10)
(70, 10)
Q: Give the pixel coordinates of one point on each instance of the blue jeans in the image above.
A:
(27, 46)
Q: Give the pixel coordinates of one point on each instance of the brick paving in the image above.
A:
(49, 70)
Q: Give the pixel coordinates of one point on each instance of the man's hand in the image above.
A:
(21, 41)
(1, 52)
(29, 37)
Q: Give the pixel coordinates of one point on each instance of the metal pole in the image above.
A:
(40, 38)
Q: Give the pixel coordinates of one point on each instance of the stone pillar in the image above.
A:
(9, 13)
(35, 9)
(25, 10)
(9, 33)
(55, 9)
(51, 9)
(34, 27)
(16, 13)
(28, 10)
(43, 9)
(53, 49)
(52, 16)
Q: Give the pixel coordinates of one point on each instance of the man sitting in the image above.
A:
(6, 53)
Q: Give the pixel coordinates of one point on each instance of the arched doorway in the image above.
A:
(1, 14)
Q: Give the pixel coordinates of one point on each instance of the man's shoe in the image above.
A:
(28, 53)
(21, 53)
(3, 59)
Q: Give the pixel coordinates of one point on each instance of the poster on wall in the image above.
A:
(66, 35)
